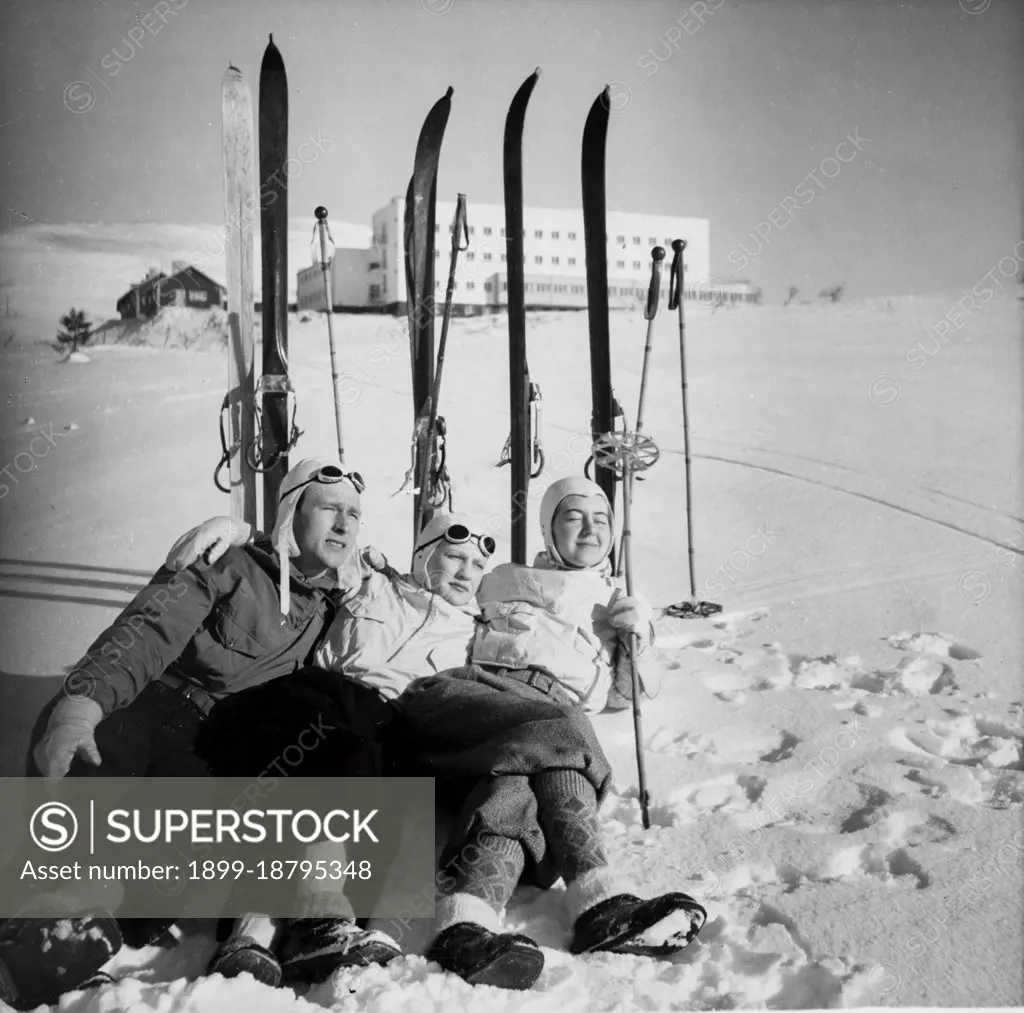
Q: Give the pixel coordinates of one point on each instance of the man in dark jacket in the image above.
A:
(136, 704)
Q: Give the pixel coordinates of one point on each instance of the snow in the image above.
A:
(835, 762)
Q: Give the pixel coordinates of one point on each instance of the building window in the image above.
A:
(503, 258)
(487, 256)
(620, 239)
(488, 231)
(538, 260)
(437, 253)
(652, 241)
(538, 233)
(472, 230)
(502, 233)
(554, 260)
(668, 242)
(470, 255)
(529, 286)
(637, 265)
(504, 286)
(437, 228)
(374, 265)
(611, 291)
(375, 293)
(554, 235)
(487, 286)
(620, 263)
(572, 261)
(470, 284)
(636, 240)
(572, 236)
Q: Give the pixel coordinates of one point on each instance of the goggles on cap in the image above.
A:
(459, 534)
(331, 474)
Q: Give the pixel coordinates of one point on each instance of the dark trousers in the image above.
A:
(156, 735)
(313, 723)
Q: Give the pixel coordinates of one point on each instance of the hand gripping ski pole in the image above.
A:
(694, 608)
(322, 250)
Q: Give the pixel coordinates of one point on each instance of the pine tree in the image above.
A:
(76, 329)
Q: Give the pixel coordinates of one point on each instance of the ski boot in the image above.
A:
(314, 948)
(241, 955)
(482, 957)
(43, 958)
(646, 928)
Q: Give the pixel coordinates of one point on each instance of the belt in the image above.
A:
(533, 677)
(196, 695)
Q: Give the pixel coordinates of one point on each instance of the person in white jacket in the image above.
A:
(553, 630)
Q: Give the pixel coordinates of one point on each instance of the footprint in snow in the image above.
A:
(933, 643)
(976, 760)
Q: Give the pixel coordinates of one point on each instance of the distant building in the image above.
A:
(553, 253)
(184, 286)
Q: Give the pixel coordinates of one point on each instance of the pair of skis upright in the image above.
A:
(258, 439)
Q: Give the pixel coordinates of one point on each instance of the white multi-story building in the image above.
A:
(553, 252)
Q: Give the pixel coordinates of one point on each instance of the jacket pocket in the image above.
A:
(232, 632)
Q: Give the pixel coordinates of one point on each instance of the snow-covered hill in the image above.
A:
(46, 269)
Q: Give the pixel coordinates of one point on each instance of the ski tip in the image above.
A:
(272, 59)
(536, 72)
(450, 92)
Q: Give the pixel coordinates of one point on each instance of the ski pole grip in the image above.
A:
(654, 289)
(675, 284)
(461, 224)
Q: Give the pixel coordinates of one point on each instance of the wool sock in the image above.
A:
(567, 810)
(487, 867)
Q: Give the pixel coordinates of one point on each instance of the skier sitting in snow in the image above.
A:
(137, 703)
(551, 633)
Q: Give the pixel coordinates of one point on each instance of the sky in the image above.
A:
(869, 142)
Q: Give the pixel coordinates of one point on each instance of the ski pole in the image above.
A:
(323, 261)
(627, 538)
(460, 231)
(693, 607)
(653, 294)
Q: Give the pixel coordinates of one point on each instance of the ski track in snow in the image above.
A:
(764, 793)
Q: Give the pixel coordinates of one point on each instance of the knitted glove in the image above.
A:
(71, 730)
(208, 542)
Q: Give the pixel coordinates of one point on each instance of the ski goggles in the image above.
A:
(331, 474)
(459, 534)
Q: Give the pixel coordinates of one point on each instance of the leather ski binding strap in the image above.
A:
(225, 451)
(272, 384)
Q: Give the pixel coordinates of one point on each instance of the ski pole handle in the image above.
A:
(675, 288)
(460, 216)
(654, 289)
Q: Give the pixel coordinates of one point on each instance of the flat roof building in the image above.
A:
(554, 261)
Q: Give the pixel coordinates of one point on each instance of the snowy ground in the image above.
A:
(835, 762)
